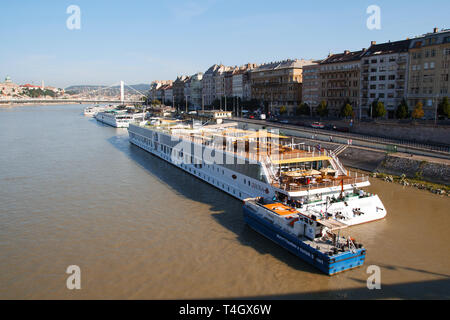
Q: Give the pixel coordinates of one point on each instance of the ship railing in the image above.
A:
(312, 153)
(293, 187)
(269, 166)
(338, 163)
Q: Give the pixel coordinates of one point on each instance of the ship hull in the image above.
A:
(111, 121)
(326, 264)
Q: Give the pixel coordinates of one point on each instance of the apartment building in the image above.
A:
(196, 90)
(384, 75)
(311, 85)
(279, 84)
(222, 76)
(168, 94)
(178, 90)
(428, 77)
(209, 84)
(241, 84)
(155, 86)
(339, 76)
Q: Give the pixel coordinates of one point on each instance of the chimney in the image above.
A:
(372, 43)
(435, 30)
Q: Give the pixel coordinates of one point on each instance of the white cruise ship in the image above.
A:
(119, 118)
(249, 164)
(92, 111)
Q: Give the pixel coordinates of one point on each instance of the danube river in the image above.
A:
(76, 192)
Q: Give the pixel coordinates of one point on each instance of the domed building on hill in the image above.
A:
(8, 88)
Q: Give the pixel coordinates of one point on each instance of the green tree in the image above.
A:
(444, 108)
(402, 110)
(283, 110)
(322, 109)
(418, 112)
(156, 102)
(379, 111)
(347, 110)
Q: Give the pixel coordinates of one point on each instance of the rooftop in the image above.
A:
(388, 47)
(346, 56)
(286, 64)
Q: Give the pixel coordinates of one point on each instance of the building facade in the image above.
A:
(279, 84)
(384, 76)
(209, 84)
(196, 90)
(220, 81)
(241, 85)
(311, 85)
(155, 86)
(429, 62)
(178, 90)
(168, 95)
(339, 76)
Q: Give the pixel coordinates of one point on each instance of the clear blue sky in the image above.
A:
(142, 40)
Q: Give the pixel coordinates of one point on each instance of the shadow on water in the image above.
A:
(421, 290)
(225, 209)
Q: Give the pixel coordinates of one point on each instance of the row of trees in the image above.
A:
(377, 110)
(403, 112)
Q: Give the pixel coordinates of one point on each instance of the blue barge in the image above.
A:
(312, 239)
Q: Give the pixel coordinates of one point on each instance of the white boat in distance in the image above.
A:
(92, 111)
(119, 118)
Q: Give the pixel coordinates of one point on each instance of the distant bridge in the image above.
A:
(94, 101)
(85, 97)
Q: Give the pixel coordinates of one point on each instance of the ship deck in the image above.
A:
(318, 182)
(268, 148)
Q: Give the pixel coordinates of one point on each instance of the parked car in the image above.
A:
(341, 129)
(318, 125)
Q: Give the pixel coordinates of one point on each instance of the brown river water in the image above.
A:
(75, 192)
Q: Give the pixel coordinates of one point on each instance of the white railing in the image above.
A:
(338, 164)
